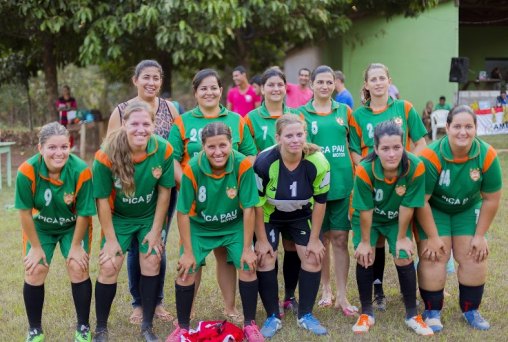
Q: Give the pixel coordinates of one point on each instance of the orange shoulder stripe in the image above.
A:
(363, 175)
(244, 166)
(432, 157)
(179, 123)
(489, 158)
(28, 171)
(354, 124)
(169, 151)
(420, 170)
(84, 176)
(241, 125)
(249, 124)
(102, 158)
(187, 171)
(407, 108)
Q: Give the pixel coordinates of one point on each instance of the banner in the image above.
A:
(489, 123)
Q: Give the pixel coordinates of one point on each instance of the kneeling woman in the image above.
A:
(216, 209)
(389, 184)
(57, 186)
(463, 186)
(133, 176)
(293, 180)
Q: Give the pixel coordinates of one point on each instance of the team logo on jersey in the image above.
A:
(340, 121)
(398, 121)
(231, 192)
(68, 198)
(400, 190)
(474, 174)
(157, 172)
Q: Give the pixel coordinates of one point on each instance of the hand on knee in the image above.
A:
(77, 272)
(37, 276)
(150, 264)
(402, 262)
(247, 275)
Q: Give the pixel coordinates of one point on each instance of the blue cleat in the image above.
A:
(311, 323)
(475, 320)
(433, 319)
(271, 326)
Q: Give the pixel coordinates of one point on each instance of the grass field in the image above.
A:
(59, 316)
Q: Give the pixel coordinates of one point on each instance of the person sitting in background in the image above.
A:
(442, 104)
(502, 99)
(426, 115)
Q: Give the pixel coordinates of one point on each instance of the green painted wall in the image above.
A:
(417, 52)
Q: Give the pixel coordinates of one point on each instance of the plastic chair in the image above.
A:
(438, 120)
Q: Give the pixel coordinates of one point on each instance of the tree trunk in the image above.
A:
(50, 75)
(30, 117)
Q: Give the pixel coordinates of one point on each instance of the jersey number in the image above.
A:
(370, 130)
(444, 179)
(272, 235)
(202, 194)
(48, 196)
(379, 195)
(195, 134)
(292, 187)
(313, 127)
(265, 131)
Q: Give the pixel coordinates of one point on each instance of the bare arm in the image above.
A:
(187, 260)
(36, 253)
(76, 252)
(153, 238)
(356, 158)
(178, 171)
(114, 121)
(434, 245)
(403, 242)
(419, 146)
(478, 248)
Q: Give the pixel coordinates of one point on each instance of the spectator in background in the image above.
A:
(393, 91)
(256, 83)
(426, 115)
(501, 99)
(442, 104)
(242, 98)
(496, 74)
(64, 105)
(299, 94)
(343, 95)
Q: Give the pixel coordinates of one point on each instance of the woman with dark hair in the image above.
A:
(463, 190)
(147, 79)
(185, 139)
(54, 196)
(133, 177)
(328, 126)
(293, 181)
(389, 185)
(378, 107)
(216, 209)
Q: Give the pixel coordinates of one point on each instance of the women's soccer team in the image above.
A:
(311, 174)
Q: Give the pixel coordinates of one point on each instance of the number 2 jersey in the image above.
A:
(373, 191)
(56, 203)
(288, 196)
(456, 184)
(214, 202)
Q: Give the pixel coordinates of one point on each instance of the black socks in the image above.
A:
(82, 295)
(470, 297)
(149, 289)
(364, 278)
(407, 281)
(34, 300)
(249, 295)
(268, 291)
(433, 300)
(104, 295)
(184, 296)
(309, 286)
(290, 270)
(379, 270)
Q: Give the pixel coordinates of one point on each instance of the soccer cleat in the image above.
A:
(35, 335)
(475, 320)
(433, 319)
(83, 334)
(379, 302)
(101, 336)
(148, 335)
(363, 324)
(252, 333)
(311, 323)
(291, 304)
(271, 326)
(418, 325)
(176, 335)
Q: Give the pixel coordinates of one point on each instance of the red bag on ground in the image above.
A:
(214, 331)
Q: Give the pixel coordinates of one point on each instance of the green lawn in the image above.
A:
(58, 317)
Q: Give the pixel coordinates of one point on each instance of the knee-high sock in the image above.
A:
(34, 301)
(149, 289)
(470, 297)
(308, 289)
(379, 270)
(291, 270)
(82, 295)
(407, 281)
(268, 291)
(104, 295)
(364, 281)
(249, 295)
(184, 296)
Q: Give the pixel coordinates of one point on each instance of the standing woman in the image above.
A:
(216, 209)
(293, 181)
(379, 107)
(64, 104)
(133, 176)
(185, 139)
(147, 79)
(54, 196)
(389, 185)
(463, 191)
(328, 123)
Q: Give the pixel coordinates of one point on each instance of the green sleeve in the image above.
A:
(175, 139)
(247, 189)
(167, 179)
(362, 195)
(321, 183)
(415, 125)
(431, 176)
(492, 179)
(186, 195)
(415, 192)
(102, 180)
(85, 204)
(24, 196)
(247, 146)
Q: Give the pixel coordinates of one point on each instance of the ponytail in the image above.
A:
(116, 147)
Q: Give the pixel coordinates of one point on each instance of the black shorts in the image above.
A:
(298, 231)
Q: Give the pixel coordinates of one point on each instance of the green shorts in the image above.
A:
(389, 231)
(125, 234)
(49, 240)
(202, 245)
(337, 215)
(457, 224)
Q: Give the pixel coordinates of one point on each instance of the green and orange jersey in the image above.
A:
(372, 190)
(330, 131)
(56, 204)
(262, 125)
(185, 135)
(153, 169)
(456, 184)
(213, 202)
(365, 120)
